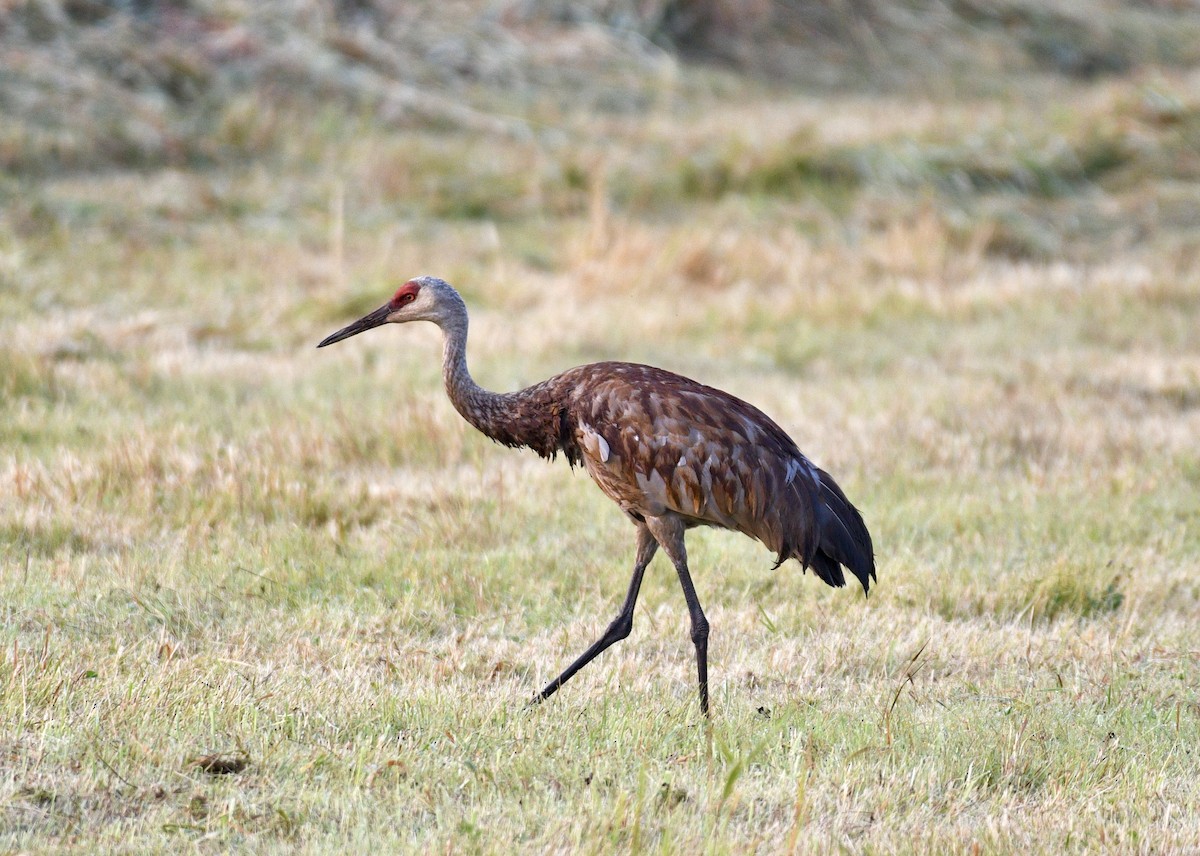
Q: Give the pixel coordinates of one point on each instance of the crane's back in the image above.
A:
(660, 443)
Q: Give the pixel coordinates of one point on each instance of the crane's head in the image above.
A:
(425, 298)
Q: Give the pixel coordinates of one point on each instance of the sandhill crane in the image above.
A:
(672, 453)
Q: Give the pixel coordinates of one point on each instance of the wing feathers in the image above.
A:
(844, 535)
(664, 443)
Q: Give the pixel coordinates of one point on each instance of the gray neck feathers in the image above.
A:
(481, 408)
(531, 417)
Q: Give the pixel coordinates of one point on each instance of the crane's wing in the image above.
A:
(657, 442)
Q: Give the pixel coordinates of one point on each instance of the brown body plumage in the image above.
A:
(671, 452)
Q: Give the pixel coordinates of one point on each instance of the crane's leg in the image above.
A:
(621, 626)
(668, 531)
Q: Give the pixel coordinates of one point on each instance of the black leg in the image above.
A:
(669, 533)
(620, 627)
(699, 633)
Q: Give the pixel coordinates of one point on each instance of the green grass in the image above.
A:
(216, 539)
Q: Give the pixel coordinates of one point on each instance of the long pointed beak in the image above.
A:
(371, 319)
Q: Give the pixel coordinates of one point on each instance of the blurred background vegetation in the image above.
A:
(1104, 145)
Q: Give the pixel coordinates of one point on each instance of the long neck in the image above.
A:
(531, 418)
(484, 410)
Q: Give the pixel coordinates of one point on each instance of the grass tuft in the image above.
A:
(1071, 591)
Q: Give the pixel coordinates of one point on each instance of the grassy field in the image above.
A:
(256, 596)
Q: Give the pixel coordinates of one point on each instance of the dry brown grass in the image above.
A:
(220, 548)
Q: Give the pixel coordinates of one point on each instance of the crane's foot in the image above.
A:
(533, 702)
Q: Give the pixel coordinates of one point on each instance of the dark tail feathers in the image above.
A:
(842, 538)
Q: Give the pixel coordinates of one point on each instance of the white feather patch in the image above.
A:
(795, 465)
(596, 445)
